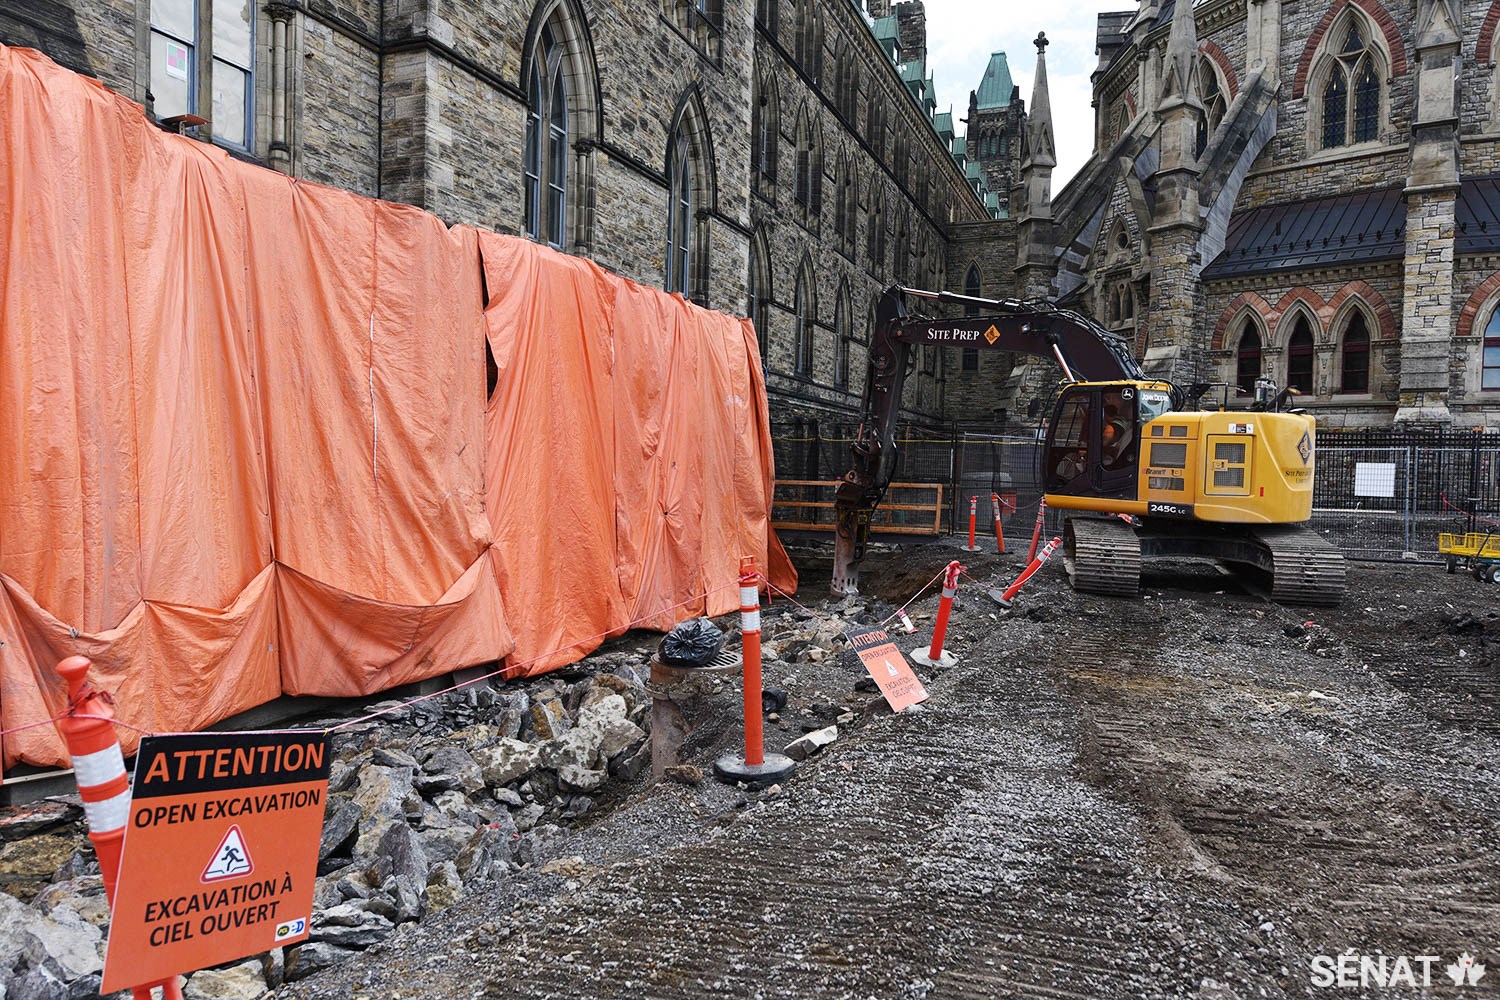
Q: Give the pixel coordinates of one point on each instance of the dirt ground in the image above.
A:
(1190, 794)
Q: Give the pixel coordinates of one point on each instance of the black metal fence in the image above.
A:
(1379, 494)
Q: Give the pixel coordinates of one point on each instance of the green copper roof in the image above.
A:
(942, 123)
(994, 90)
(885, 27)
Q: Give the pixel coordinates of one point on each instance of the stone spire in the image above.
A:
(1040, 151)
(1035, 264)
(1177, 66)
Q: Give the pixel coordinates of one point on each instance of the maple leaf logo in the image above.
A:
(1466, 971)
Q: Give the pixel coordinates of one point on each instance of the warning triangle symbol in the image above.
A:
(231, 859)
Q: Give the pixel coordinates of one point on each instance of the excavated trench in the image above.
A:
(1187, 795)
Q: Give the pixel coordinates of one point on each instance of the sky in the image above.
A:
(961, 34)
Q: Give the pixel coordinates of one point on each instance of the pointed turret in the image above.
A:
(1040, 149)
(1177, 65)
(1035, 265)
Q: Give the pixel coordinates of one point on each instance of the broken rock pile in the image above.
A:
(426, 803)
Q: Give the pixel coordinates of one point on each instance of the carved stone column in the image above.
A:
(282, 25)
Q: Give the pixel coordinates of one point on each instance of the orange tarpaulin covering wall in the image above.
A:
(245, 447)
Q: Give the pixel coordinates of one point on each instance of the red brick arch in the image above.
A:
(1470, 312)
(1487, 34)
(1314, 302)
(1384, 318)
(1383, 21)
(1254, 302)
(1226, 67)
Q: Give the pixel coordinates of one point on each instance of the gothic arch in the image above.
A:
(690, 121)
(1244, 302)
(570, 81)
(692, 197)
(1384, 328)
(1225, 67)
(580, 66)
(1387, 29)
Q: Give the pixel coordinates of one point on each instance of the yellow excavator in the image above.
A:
(1233, 487)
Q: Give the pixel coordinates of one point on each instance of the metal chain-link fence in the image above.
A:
(1378, 495)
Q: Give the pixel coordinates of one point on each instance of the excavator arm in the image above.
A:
(1083, 350)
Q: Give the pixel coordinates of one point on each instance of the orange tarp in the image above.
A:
(245, 448)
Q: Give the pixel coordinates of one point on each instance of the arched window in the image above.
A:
(1351, 78)
(1247, 358)
(691, 196)
(806, 317)
(973, 288)
(765, 130)
(557, 74)
(679, 217)
(802, 179)
(874, 122)
(1299, 357)
(547, 141)
(765, 13)
(842, 320)
(901, 255)
(845, 207)
(873, 222)
(759, 296)
(810, 40)
(1354, 369)
(1211, 91)
(1489, 375)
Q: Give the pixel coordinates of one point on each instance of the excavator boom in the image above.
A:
(1084, 350)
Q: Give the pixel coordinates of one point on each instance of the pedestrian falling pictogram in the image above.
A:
(231, 860)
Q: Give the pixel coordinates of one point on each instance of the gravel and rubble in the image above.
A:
(1186, 795)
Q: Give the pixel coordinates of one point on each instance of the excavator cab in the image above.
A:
(1093, 441)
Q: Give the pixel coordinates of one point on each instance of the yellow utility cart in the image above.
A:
(1476, 551)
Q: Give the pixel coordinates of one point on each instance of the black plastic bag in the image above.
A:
(692, 643)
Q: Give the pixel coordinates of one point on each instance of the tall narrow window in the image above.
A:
(233, 45)
(872, 233)
(547, 142)
(765, 13)
(679, 218)
(759, 298)
(1354, 374)
(974, 289)
(765, 130)
(841, 322)
(1247, 358)
(1490, 362)
(1299, 357)
(1353, 70)
(1213, 101)
(810, 40)
(806, 318)
(174, 57)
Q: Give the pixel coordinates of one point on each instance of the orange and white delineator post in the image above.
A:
(999, 531)
(1007, 595)
(973, 514)
(935, 655)
(99, 767)
(1036, 533)
(755, 767)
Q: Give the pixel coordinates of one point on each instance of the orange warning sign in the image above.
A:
(889, 669)
(220, 852)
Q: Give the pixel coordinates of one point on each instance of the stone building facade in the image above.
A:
(776, 158)
(1305, 191)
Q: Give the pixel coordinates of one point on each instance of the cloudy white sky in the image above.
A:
(961, 34)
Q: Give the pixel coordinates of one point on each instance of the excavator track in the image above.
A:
(1304, 567)
(1102, 556)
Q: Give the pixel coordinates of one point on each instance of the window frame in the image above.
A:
(1302, 327)
(1336, 61)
